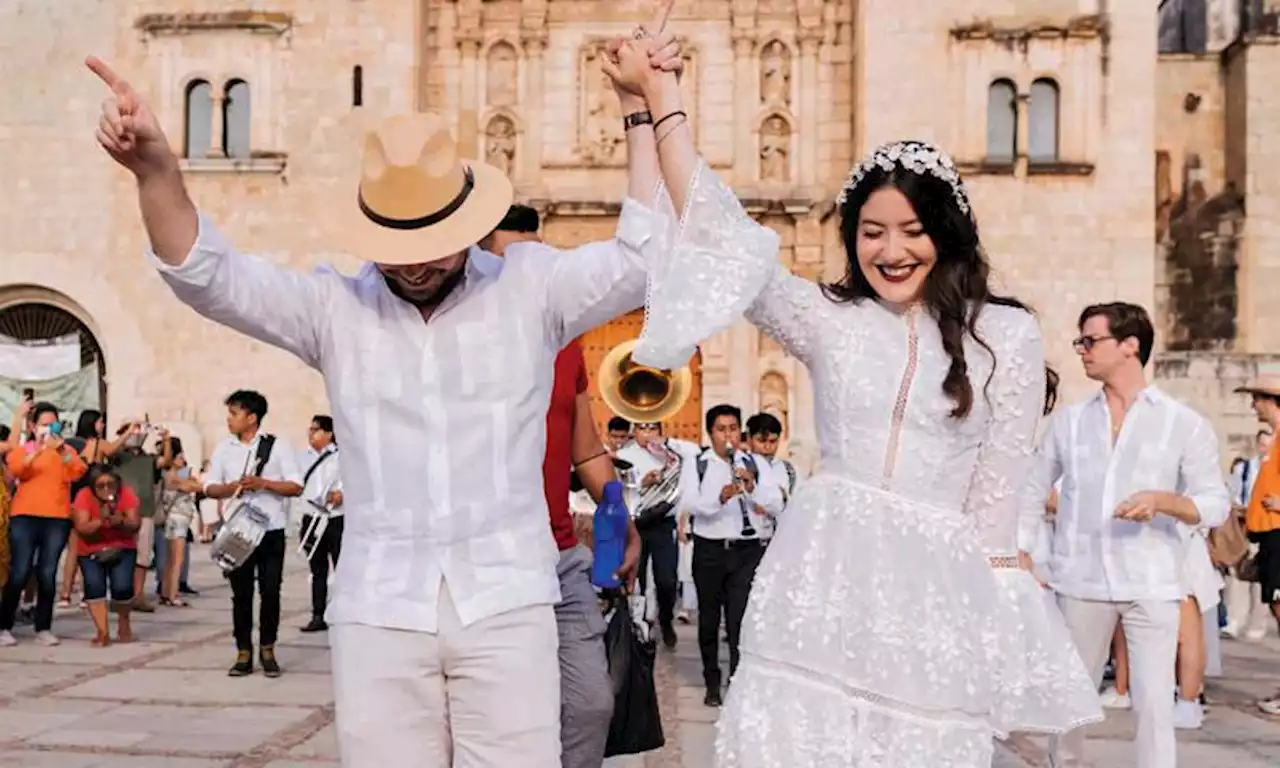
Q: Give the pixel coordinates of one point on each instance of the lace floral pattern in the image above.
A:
(879, 633)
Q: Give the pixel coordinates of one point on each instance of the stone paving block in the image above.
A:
(21, 677)
(323, 745)
(72, 651)
(218, 655)
(21, 759)
(1108, 752)
(307, 764)
(207, 687)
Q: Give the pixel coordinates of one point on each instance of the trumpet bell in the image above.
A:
(639, 393)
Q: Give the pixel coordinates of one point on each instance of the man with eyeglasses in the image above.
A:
(1139, 470)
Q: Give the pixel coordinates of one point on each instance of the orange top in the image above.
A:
(44, 485)
(1259, 519)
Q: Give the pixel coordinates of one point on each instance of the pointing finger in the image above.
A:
(106, 74)
(661, 12)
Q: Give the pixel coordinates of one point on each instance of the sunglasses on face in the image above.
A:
(1087, 343)
(106, 485)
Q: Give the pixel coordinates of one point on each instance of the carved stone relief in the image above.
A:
(775, 149)
(500, 145)
(600, 132)
(502, 76)
(773, 397)
(775, 74)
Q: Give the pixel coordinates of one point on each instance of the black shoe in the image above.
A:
(669, 635)
(243, 666)
(270, 667)
(185, 589)
(315, 625)
(712, 699)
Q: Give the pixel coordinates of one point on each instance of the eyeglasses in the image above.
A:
(107, 485)
(649, 427)
(1087, 343)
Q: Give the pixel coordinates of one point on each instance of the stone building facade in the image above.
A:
(1074, 131)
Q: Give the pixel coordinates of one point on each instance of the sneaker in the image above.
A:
(712, 699)
(669, 637)
(47, 639)
(1109, 699)
(1188, 715)
(1270, 706)
(7, 639)
(1255, 635)
(270, 667)
(315, 625)
(243, 666)
(185, 589)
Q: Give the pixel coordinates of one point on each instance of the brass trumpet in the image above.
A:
(641, 394)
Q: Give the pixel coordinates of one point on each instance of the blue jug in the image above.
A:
(610, 531)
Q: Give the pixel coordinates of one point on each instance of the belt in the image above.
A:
(735, 543)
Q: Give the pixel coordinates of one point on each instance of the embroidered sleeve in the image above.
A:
(788, 310)
(703, 276)
(1016, 394)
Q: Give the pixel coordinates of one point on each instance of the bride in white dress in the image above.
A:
(889, 622)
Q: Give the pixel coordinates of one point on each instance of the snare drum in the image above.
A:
(240, 535)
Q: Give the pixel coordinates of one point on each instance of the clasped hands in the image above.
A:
(649, 62)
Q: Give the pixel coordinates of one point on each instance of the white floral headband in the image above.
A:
(915, 156)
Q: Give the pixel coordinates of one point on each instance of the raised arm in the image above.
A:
(710, 260)
(264, 300)
(1016, 397)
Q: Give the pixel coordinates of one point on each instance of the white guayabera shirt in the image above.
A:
(443, 423)
(1163, 446)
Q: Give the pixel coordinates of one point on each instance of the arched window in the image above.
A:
(1002, 122)
(1042, 122)
(198, 111)
(235, 120)
(357, 86)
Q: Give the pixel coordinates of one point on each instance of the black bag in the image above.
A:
(637, 722)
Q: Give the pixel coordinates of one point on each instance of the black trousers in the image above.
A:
(265, 567)
(722, 574)
(328, 550)
(659, 544)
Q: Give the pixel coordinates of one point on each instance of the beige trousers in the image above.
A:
(483, 696)
(1151, 631)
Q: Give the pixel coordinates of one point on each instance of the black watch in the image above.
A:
(637, 118)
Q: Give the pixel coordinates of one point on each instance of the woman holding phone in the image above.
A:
(105, 514)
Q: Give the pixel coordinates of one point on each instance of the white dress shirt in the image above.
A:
(1163, 445)
(324, 480)
(713, 520)
(443, 423)
(780, 475)
(233, 460)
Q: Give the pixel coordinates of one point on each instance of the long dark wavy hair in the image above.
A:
(957, 288)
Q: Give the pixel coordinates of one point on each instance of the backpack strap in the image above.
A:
(316, 465)
(702, 467)
(265, 444)
(791, 476)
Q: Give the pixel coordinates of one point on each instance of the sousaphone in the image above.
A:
(638, 393)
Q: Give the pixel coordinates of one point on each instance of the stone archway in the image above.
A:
(596, 343)
(32, 314)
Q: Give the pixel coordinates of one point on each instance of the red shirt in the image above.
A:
(570, 381)
(107, 537)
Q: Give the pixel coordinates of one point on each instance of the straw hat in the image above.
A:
(1266, 382)
(418, 200)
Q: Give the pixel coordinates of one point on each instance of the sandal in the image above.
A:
(177, 603)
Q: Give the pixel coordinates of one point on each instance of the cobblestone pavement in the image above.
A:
(166, 701)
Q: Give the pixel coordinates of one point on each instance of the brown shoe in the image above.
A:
(270, 667)
(243, 666)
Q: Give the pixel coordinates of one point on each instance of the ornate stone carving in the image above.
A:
(502, 76)
(774, 397)
(600, 132)
(775, 74)
(500, 144)
(775, 149)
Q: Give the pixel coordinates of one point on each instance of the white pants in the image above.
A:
(1151, 632)
(483, 696)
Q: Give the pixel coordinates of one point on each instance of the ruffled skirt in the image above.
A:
(878, 636)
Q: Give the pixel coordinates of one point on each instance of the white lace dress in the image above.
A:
(888, 625)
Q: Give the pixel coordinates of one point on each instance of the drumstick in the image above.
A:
(660, 17)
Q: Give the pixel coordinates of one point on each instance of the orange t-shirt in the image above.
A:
(44, 485)
(1259, 519)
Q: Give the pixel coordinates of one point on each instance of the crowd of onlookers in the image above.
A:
(108, 510)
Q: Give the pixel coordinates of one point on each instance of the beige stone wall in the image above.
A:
(1257, 118)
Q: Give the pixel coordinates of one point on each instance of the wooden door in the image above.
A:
(686, 424)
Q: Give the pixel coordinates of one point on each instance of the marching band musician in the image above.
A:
(321, 495)
(652, 456)
(732, 503)
(764, 431)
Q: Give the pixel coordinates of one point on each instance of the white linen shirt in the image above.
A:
(713, 520)
(229, 463)
(443, 423)
(326, 478)
(1163, 446)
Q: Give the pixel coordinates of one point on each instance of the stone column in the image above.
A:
(468, 97)
(808, 110)
(746, 104)
(532, 105)
(1020, 156)
(217, 106)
